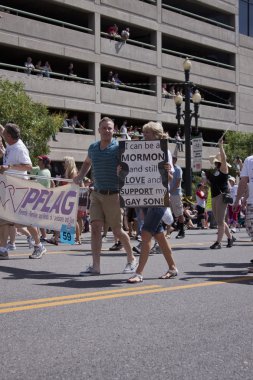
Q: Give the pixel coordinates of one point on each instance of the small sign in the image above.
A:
(143, 179)
(197, 154)
(67, 234)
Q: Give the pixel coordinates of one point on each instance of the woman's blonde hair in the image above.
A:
(157, 129)
(70, 167)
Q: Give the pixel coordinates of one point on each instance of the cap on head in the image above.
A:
(230, 178)
(45, 159)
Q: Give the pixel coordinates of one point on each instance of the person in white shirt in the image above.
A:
(246, 184)
(233, 214)
(123, 131)
(29, 66)
(16, 160)
(201, 196)
(125, 34)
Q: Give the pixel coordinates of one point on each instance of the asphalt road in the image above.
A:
(57, 325)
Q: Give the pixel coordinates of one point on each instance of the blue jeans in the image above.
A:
(153, 219)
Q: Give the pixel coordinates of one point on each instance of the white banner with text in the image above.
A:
(143, 178)
(27, 202)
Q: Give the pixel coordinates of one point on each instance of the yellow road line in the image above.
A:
(72, 296)
(127, 293)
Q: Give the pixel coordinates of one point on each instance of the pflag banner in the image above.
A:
(27, 202)
(143, 180)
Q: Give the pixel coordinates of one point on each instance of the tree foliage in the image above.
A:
(238, 144)
(34, 120)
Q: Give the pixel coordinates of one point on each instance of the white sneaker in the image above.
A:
(4, 253)
(38, 252)
(130, 267)
(89, 271)
(11, 246)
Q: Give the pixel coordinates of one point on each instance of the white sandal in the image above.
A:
(138, 278)
(171, 273)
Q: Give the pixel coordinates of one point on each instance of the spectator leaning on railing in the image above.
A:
(46, 70)
(113, 31)
(125, 34)
(29, 66)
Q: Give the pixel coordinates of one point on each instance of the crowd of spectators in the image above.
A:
(45, 69)
(73, 125)
(113, 32)
(114, 79)
(39, 68)
(171, 91)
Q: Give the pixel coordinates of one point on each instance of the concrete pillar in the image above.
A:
(97, 118)
(159, 11)
(159, 49)
(159, 93)
(97, 33)
(98, 82)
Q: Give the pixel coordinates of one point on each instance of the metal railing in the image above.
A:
(220, 105)
(51, 73)
(85, 131)
(153, 2)
(129, 41)
(198, 59)
(206, 102)
(50, 20)
(105, 84)
(128, 88)
(205, 143)
(202, 18)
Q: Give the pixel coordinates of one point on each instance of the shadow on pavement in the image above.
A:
(18, 273)
(89, 282)
(191, 248)
(236, 277)
(70, 280)
(226, 265)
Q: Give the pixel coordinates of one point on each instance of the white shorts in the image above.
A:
(249, 220)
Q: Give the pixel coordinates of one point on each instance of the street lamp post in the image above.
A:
(187, 116)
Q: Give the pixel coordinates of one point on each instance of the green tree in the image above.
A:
(37, 125)
(238, 144)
